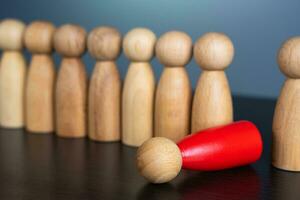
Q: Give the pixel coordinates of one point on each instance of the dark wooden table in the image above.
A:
(36, 166)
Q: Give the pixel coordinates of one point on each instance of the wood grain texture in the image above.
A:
(288, 58)
(173, 94)
(286, 121)
(70, 40)
(174, 49)
(104, 102)
(212, 103)
(286, 126)
(40, 94)
(12, 89)
(104, 43)
(214, 51)
(159, 160)
(139, 44)
(173, 104)
(71, 99)
(138, 104)
(38, 37)
(139, 87)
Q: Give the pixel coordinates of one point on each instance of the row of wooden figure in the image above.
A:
(135, 111)
(141, 110)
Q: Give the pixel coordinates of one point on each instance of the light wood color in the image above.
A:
(12, 74)
(174, 49)
(38, 37)
(159, 160)
(214, 51)
(71, 85)
(71, 99)
(139, 44)
(39, 95)
(173, 95)
(138, 104)
(286, 122)
(173, 104)
(104, 44)
(212, 103)
(11, 34)
(12, 88)
(139, 87)
(105, 103)
(70, 40)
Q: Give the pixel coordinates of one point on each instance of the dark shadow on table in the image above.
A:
(234, 184)
(284, 185)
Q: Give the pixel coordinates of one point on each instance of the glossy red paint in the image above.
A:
(222, 147)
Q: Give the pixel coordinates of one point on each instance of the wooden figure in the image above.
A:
(12, 74)
(160, 160)
(104, 109)
(39, 93)
(70, 42)
(286, 122)
(139, 86)
(173, 95)
(212, 104)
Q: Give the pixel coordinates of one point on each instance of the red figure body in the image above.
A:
(222, 147)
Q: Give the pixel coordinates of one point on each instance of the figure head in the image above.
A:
(174, 49)
(39, 37)
(159, 160)
(138, 45)
(104, 43)
(289, 57)
(70, 40)
(214, 51)
(11, 34)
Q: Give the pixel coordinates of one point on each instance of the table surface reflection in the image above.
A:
(46, 167)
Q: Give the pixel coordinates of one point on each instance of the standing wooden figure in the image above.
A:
(104, 44)
(139, 86)
(212, 104)
(12, 74)
(173, 95)
(39, 94)
(70, 41)
(286, 122)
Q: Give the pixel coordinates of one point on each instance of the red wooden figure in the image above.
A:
(159, 159)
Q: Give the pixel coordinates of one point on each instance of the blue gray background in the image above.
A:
(256, 27)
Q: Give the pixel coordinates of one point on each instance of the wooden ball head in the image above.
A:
(139, 87)
(70, 42)
(214, 51)
(173, 95)
(11, 35)
(174, 49)
(159, 160)
(286, 121)
(104, 43)
(12, 74)
(38, 37)
(104, 109)
(138, 45)
(41, 76)
(212, 103)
